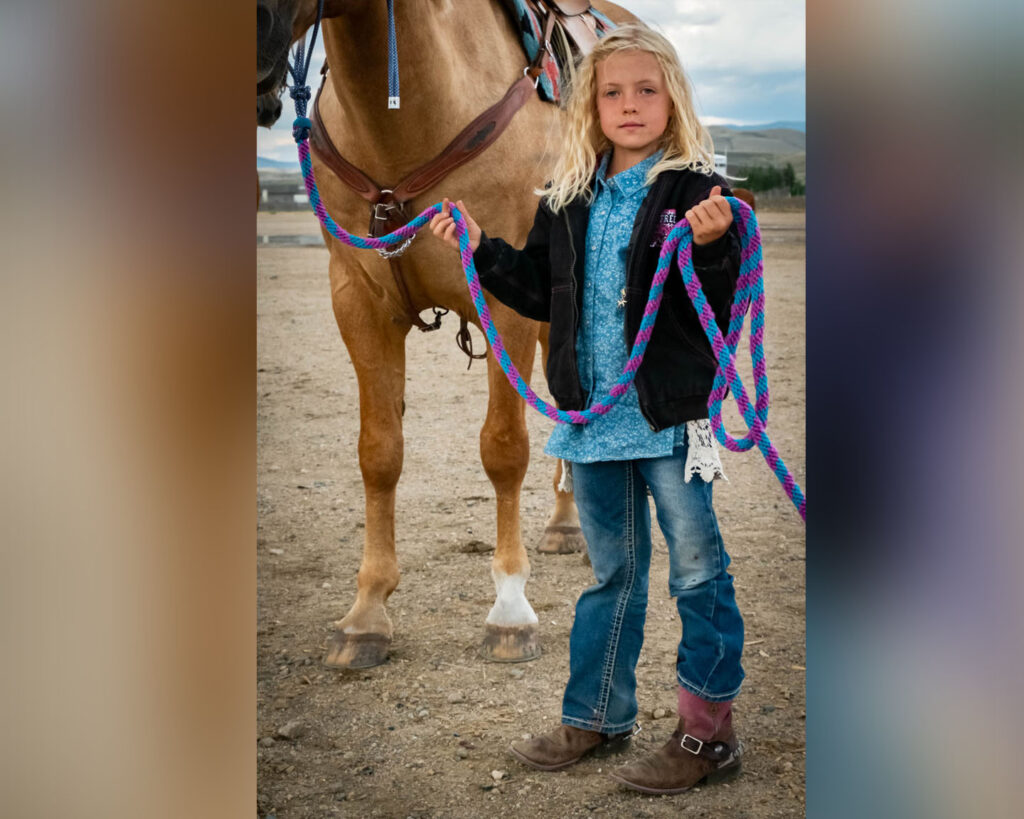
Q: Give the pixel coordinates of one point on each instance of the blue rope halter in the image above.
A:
(299, 68)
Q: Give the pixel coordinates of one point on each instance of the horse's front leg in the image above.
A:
(511, 627)
(376, 346)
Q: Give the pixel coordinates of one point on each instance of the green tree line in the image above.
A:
(767, 178)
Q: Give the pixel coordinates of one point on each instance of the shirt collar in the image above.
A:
(630, 180)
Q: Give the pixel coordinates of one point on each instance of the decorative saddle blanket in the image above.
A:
(531, 29)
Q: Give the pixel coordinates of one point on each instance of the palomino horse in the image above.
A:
(457, 59)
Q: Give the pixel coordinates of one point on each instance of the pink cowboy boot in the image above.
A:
(703, 748)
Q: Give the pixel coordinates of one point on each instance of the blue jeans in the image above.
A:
(609, 627)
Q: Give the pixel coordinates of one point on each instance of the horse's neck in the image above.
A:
(455, 59)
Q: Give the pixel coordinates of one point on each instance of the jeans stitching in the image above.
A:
(594, 725)
(719, 565)
(700, 692)
(712, 523)
(620, 610)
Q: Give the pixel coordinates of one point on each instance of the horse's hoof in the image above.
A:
(562, 540)
(510, 644)
(356, 650)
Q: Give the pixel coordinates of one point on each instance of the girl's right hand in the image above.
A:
(442, 225)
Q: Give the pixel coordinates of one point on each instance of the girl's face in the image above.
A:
(633, 104)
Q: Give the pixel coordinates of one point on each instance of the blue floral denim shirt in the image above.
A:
(623, 433)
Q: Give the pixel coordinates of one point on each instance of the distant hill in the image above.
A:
(794, 125)
(773, 141)
(266, 162)
(750, 147)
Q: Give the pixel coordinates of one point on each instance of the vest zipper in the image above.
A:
(575, 309)
(636, 240)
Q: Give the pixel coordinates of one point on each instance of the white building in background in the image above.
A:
(721, 163)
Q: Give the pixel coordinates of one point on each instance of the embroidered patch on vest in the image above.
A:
(666, 222)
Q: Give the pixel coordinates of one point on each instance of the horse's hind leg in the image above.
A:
(377, 348)
(511, 627)
(562, 534)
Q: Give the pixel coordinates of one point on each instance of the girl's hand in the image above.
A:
(442, 225)
(711, 218)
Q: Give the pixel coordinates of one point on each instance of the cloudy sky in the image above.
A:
(745, 59)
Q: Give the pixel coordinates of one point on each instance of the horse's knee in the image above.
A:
(380, 459)
(505, 454)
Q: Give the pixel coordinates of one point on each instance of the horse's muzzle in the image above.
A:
(268, 109)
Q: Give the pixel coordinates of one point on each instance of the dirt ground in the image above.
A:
(425, 735)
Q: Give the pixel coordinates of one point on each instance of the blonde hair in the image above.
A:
(686, 143)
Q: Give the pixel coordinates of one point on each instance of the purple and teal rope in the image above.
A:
(749, 296)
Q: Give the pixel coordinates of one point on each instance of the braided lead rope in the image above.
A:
(394, 98)
(749, 293)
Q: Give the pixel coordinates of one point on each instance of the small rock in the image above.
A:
(517, 673)
(497, 776)
(787, 766)
(325, 585)
(267, 742)
(476, 547)
(456, 696)
(461, 753)
(291, 730)
(276, 551)
(767, 709)
(423, 712)
(659, 713)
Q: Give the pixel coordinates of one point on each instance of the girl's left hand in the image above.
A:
(711, 218)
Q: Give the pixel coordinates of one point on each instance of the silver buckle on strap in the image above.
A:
(388, 206)
(692, 750)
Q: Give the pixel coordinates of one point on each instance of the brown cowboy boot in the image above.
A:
(703, 748)
(566, 746)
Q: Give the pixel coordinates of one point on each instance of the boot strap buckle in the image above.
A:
(695, 745)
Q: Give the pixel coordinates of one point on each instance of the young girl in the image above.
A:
(635, 160)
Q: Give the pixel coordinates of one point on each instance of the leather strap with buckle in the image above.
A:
(716, 751)
(387, 213)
